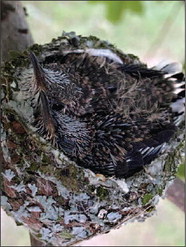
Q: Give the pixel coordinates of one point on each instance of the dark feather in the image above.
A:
(110, 117)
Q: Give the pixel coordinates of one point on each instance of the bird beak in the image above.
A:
(39, 74)
(41, 86)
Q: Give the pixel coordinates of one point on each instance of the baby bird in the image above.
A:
(109, 116)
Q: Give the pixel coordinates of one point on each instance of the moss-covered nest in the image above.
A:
(58, 201)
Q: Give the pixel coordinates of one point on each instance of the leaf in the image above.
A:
(115, 10)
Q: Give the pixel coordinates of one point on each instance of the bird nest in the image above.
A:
(59, 202)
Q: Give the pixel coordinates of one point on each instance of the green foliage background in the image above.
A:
(116, 9)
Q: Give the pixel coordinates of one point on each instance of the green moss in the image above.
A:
(133, 57)
(39, 235)
(159, 191)
(49, 169)
(71, 183)
(15, 54)
(70, 179)
(102, 193)
(18, 223)
(21, 60)
(37, 49)
(174, 159)
(170, 166)
(45, 159)
(33, 167)
(147, 197)
(66, 235)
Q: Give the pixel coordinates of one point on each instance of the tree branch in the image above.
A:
(15, 34)
(176, 193)
(35, 242)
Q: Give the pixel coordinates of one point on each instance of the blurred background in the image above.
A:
(152, 30)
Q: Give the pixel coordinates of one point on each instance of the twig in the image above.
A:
(175, 193)
(35, 242)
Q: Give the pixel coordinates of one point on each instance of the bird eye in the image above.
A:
(58, 106)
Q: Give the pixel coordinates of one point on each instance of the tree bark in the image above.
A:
(15, 34)
(176, 193)
(35, 242)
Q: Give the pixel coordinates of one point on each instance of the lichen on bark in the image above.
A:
(60, 202)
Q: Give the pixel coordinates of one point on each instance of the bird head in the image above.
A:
(54, 82)
(56, 96)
